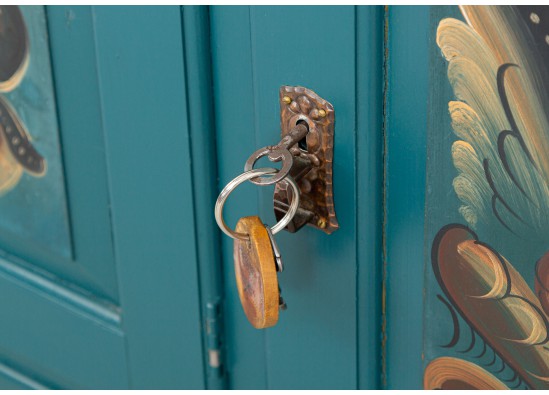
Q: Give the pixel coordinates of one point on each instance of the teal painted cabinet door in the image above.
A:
(329, 337)
(119, 126)
(98, 275)
(467, 261)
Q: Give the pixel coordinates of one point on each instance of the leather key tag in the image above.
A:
(255, 271)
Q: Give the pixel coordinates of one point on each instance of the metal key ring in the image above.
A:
(275, 155)
(294, 204)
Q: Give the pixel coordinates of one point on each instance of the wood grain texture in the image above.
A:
(255, 272)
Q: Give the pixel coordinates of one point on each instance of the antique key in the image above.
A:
(256, 254)
(306, 153)
(255, 268)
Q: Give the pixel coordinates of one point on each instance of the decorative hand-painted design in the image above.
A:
(446, 373)
(16, 150)
(14, 47)
(32, 188)
(496, 69)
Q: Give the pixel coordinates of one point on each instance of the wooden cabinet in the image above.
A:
(113, 273)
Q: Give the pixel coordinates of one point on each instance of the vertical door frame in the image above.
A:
(407, 78)
(147, 132)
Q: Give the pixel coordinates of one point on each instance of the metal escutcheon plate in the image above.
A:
(317, 198)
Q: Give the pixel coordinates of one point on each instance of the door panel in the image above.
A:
(81, 256)
(147, 136)
(151, 126)
(124, 311)
(59, 317)
(77, 87)
(32, 184)
(56, 336)
(255, 51)
(469, 259)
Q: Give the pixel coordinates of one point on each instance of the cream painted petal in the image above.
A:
(478, 118)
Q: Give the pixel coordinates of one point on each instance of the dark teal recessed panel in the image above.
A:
(74, 61)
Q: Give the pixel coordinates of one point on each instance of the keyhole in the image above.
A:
(302, 144)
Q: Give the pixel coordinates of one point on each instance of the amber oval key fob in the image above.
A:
(255, 270)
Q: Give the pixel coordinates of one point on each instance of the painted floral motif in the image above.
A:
(497, 72)
(17, 153)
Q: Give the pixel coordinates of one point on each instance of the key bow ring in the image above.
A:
(275, 154)
(250, 175)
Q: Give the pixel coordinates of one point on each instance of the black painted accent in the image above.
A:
(14, 134)
(13, 41)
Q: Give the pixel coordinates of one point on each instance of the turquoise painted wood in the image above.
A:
(196, 32)
(370, 193)
(430, 316)
(151, 192)
(325, 339)
(407, 68)
(131, 316)
(35, 208)
(158, 107)
(48, 319)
